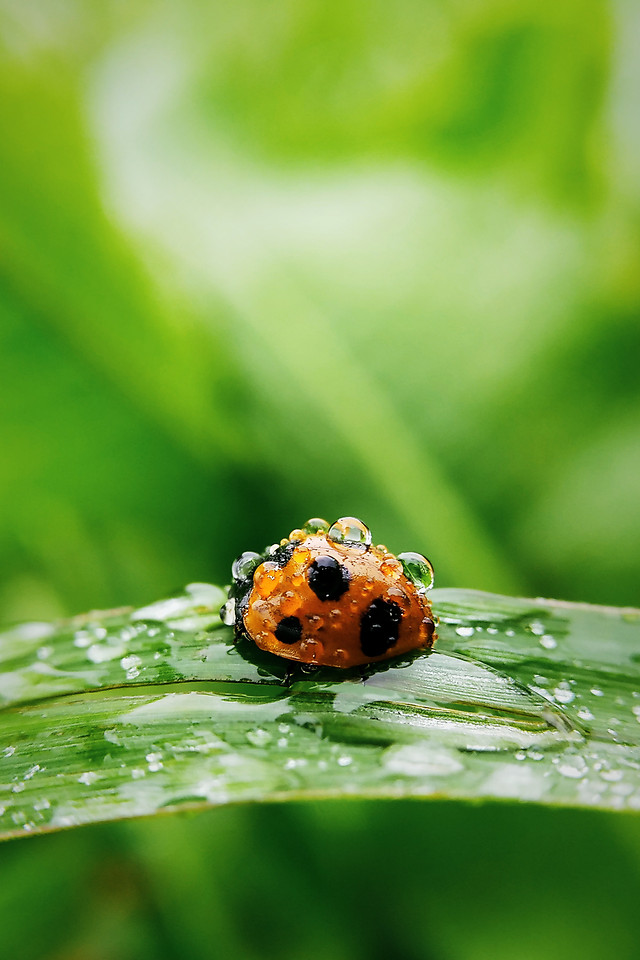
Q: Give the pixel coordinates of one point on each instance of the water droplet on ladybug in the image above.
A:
(228, 613)
(245, 566)
(418, 569)
(350, 530)
(315, 525)
(391, 567)
(313, 649)
(265, 578)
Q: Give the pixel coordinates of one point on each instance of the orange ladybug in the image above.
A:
(325, 596)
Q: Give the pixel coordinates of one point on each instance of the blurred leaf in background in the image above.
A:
(260, 262)
(329, 258)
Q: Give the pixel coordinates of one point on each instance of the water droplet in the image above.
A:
(509, 633)
(563, 693)
(548, 642)
(418, 569)
(265, 578)
(585, 714)
(350, 530)
(634, 710)
(44, 652)
(131, 664)
(315, 525)
(391, 567)
(17, 788)
(612, 776)
(313, 649)
(574, 770)
(83, 638)
(465, 631)
(344, 760)
(154, 762)
(245, 566)
(228, 613)
(137, 773)
(284, 727)
(259, 737)
(537, 628)
(283, 742)
(88, 778)
(421, 760)
(9, 751)
(294, 762)
(597, 692)
(102, 652)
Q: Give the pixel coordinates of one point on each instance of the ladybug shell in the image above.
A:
(336, 604)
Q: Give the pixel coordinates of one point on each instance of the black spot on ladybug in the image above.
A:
(289, 630)
(379, 627)
(283, 554)
(328, 578)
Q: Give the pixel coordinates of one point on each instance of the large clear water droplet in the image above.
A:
(245, 565)
(315, 525)
(228, 613)
(350, 530)
(418, 569)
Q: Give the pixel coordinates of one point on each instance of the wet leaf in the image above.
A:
(131, 713)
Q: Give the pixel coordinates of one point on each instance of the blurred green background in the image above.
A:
(265, 261)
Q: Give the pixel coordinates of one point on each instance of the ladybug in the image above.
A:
(325, 596)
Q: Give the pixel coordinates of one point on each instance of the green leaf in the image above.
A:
(130, 713)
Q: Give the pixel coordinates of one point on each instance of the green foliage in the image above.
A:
(133, 713)
(379, 261)
(263, 262)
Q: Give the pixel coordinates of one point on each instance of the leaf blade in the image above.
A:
(199, 725)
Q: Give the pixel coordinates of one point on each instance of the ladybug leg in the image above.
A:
(309, 668)
(288, 678)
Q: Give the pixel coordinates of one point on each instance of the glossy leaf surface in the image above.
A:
(123, 714)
